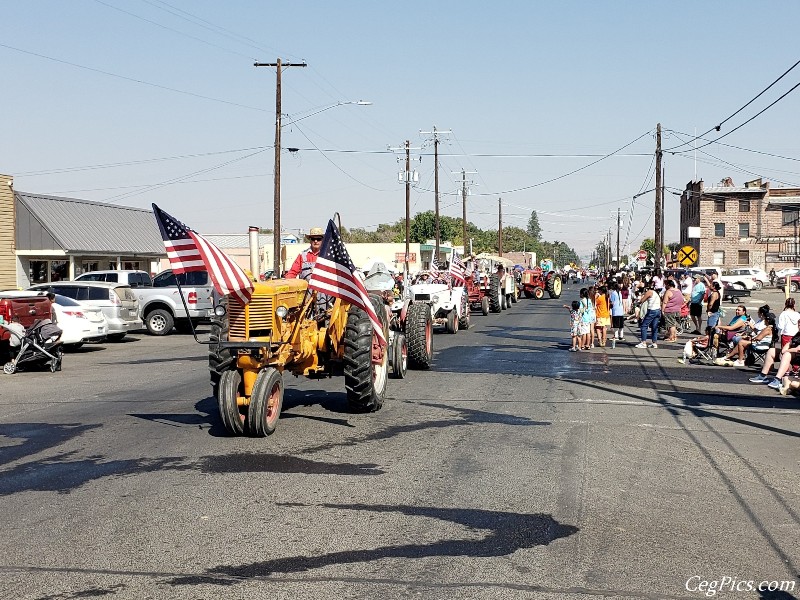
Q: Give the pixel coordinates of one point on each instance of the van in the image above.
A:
(117, 301)
(134, 279)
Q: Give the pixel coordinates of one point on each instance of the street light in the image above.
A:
(276, 229)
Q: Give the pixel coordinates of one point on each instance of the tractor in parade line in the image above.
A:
(410, 323)
(282, 329)
(487, 290)
(449, 305)
(538, 280)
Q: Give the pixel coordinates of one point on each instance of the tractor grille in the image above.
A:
(253, 320)
(422, 297)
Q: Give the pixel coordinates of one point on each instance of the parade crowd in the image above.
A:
(677, 301)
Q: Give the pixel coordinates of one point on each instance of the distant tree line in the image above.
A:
(423, 228)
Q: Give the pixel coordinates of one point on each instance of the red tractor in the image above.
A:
(534, 282)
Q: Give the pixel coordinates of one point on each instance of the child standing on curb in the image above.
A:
(574, 325)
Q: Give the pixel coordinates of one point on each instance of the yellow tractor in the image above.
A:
(282, 329)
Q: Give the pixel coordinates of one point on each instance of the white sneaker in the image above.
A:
(738, 363)
(653, 346)
(640, 345)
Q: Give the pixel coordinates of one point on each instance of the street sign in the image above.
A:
(641, 255)
(687, 256)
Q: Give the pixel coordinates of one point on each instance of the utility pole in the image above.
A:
(659, 237)
(500, 226)
(618, 224)
(436, 134)
(464, 205)
(408, 177)
(276, 229)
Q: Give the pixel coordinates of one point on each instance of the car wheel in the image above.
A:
(159, 322)
(793, 287)
(759, 285)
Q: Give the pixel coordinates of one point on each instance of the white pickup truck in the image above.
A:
(734, 277)
(161, 308)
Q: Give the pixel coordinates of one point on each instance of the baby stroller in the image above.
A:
(40, 344)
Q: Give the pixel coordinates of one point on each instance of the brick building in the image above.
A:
(742, 226)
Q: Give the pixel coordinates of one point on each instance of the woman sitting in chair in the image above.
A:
(761, 338)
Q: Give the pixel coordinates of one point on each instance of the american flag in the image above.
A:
(457, 268)
(335, 274)
(434, 269)
(187, 250)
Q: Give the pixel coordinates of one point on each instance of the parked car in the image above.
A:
(161, 307)
(117, 301)
(134, 279)
(759, 275)
(780, 280)
(79, 323)
(740, 278)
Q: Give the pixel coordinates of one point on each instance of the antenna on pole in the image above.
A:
(436, 133)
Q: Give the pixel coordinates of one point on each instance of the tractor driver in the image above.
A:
(305, 261)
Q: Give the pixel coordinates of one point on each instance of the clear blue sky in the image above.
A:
(511, 80)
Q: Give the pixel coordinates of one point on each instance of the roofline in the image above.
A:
(80, 201)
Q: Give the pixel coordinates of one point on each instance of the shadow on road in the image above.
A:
(506, 533)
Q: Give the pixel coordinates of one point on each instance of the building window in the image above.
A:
(59, 270)
(719, 229)
(719, 205)
(744, 257)
(38, 271)
(744, 230)
(90, 266)
(790, 216)
(744, 205)
(719, 258)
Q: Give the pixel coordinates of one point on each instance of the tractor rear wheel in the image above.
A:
(266, 401)
(485, 305)
(419, 333)
(228, 391)
(364, 381)
(538, 293)
(495, 295)
(554, 286)
(220, 360)
(463, 321)
(399, 356)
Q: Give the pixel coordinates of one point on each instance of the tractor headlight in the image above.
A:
(219, 310)
(281, 311)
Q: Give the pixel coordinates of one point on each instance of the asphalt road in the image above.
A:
(512, 469)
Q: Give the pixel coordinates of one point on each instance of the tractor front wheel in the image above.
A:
(452, 321)
(365, 375)
(399, 356)
(419, 333)
(266, 402)
(219, 359)
(463, 321)
(538, 293)
(228, 391)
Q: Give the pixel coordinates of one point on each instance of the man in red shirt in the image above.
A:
(305, 261)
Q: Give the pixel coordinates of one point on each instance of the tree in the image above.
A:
(423, 227)
(534, 229)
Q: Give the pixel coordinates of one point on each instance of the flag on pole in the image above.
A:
(434, 269)
(457, 268)
(335, 274)
(188, 251)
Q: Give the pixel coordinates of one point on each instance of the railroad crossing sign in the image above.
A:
(687, 256)
(641, 255)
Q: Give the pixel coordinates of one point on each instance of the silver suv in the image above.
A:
(134, 279)
(118, 302)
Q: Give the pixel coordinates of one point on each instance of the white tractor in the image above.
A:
(449, 305)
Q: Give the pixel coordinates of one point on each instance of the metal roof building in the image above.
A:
(58, 238)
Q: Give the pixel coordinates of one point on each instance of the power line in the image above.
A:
(680, 133)
(719, 126)
(132, 79)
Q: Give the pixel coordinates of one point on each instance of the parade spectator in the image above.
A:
(787, 322)
(712, 307)
(574, 325)
(586, 309)
(617, 311)
(696, 303)
(685, 283)
(761, 338)
(603, 312)
(653, 302)
(672, 302)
